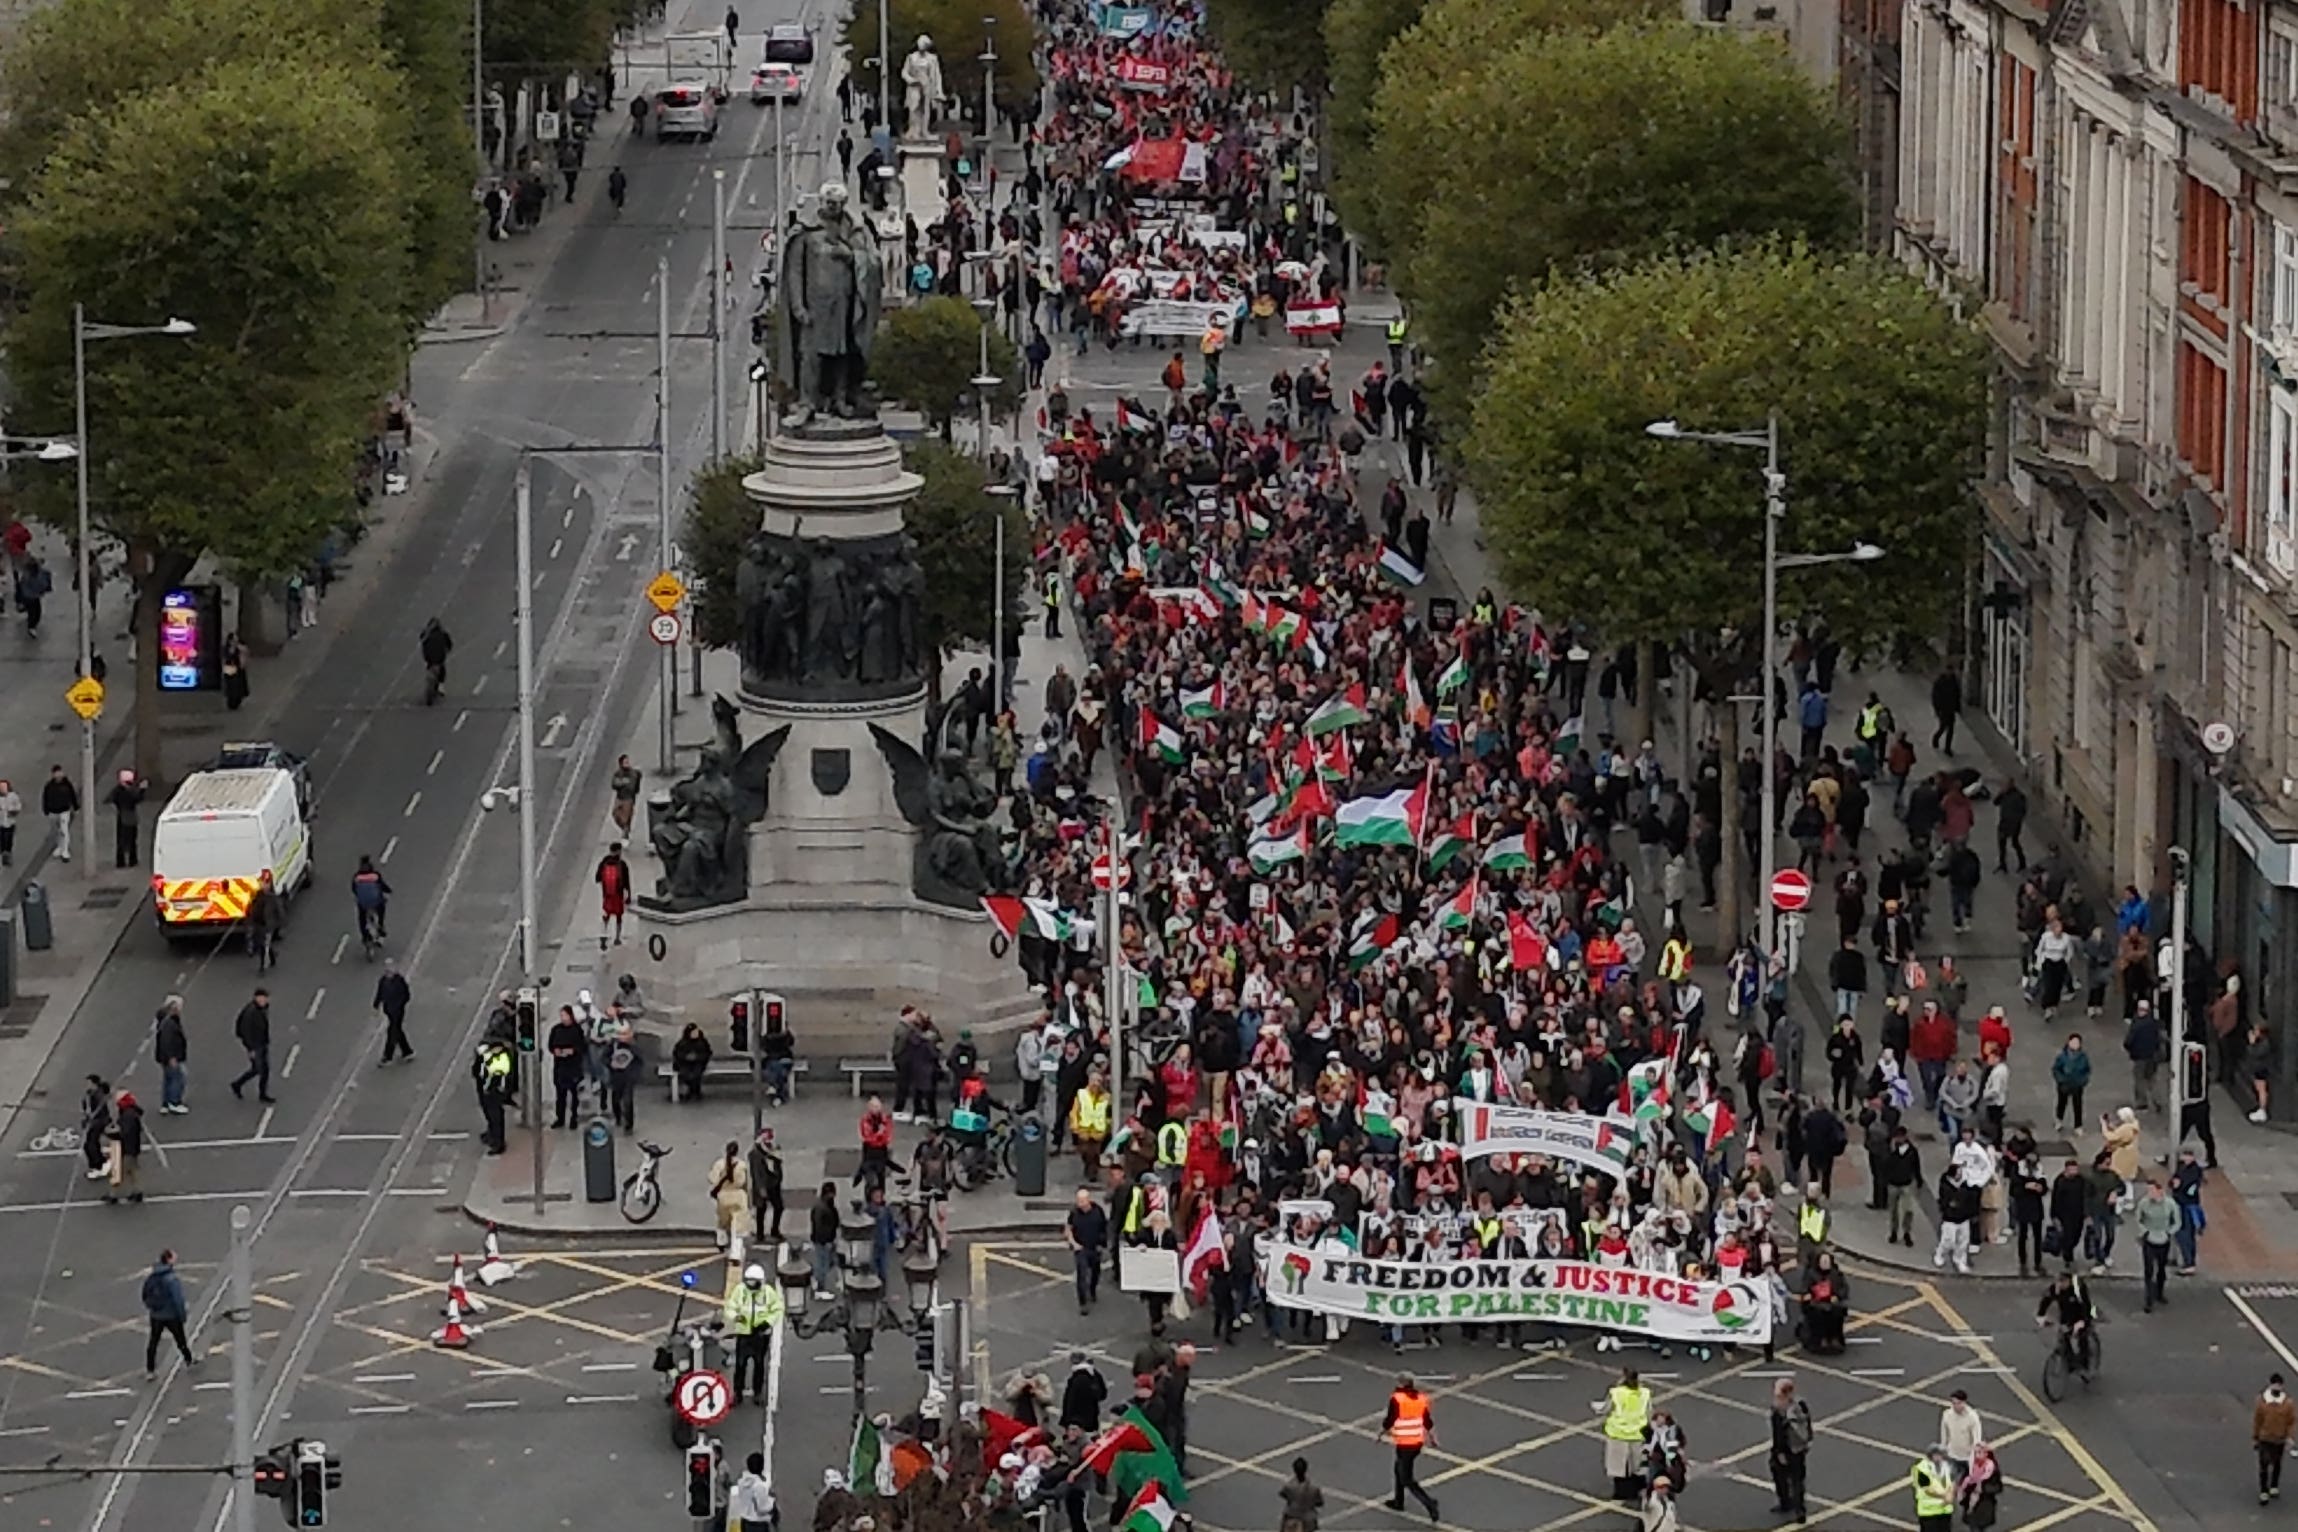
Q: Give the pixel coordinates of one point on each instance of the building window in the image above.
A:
(2281, 81)
(2285, 313)
(2281, 539)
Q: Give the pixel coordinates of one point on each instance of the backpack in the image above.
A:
(1799, 1428)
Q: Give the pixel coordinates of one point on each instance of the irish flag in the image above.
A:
(1506, 854)
(1160, 737)
(1416, 710)
(869, 1466)
(1397, 567)
(1345, 711)
(1269, 852)
(1384, 819)
(1461, 910)
(1375, 934)
(1036, 917)
(1448, 842)
(1202, 704)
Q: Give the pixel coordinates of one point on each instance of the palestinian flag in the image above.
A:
(1644, 1092)
(1136, 567)
(1160, 737)
(1334, 758)
(1262, 808)
(1130, 419)
(1461, 912)
(1203, 704)
(1253, 612)
(1507, 853)
(869, 1466)
(1256, 523)
(1454, 675)
(1416, 711)
(1150, 1510)
(1033, 917)
(1527, 949)
(1135, 1457)
(1285, 623)
(1345, 711)
(1713, 1120)
(1397, 567)
(1287, 938)
(1303, 802)
(1375, 934)
(1568, 737)
(1387, 819)
(1448, 842)
(1268, 853)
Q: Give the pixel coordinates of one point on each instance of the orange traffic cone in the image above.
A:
(492, 1267)
(454, 1335)
(459, 1293)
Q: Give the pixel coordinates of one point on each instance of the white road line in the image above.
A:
(1322, 1377)
(413, 1191)
(1996, 1371)
(610, 1367)
(207, 1388)
(287, 1069)
(25, 1431)
(478, 686)
(1438, 1377)
(491, 1404)
(539, 578)
(568, 519)
(329, 1191)
(173, 1147)
(383, 1377)
(96, 1393)
(263, 1123)
(557, 543)
(454, 1137)
(2242, 1307)
(381, 1409)
(1776, 1373)
(436, 757)
(1879, 1372)
(834, 1388)
(500, 645)
(1866, 1340)
(341, 942)
(153, 1200)
(461, 718)
(1537, 1377)
(383, 858)
(413, 801)
(1665, 1377)
(311, 1011)
(602, 1398)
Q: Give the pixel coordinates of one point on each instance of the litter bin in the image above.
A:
(39, 929)
(1029, 1158)
(598, 1183)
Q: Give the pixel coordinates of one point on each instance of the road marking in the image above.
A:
(491, 1404)
(1993, 1372)
(539, 578)
(500, 645)
(461, 718)
(551, 730)
(1876, 1372)
(329, 1191)
(25, 1431)
(411, 1191)
(341, 942)
(1537, 1377)
(834, 1388)
(287, 1070)
(1438, 1377)
(263, 1123)
(602, 1398)
(1322, 1377)
(311, 1011)
(414, 800)
(208, 1388)
(478, 686)
(381, 1409)
(613, 1366)
(96, 1393)
(1866, 1340)
(383, 1377)
(2265, 1333)
(568, 519)
(557, 543)
(173, 1147)
(436, 757)
(1775, 1373)
(629, 547)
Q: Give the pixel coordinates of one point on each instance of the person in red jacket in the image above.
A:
(1931, 1043)
(1995, 1032)
(1178, 1081)
(877, 1128)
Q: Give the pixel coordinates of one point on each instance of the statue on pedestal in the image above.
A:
(701, 827)
(921, 88)
(831, 289)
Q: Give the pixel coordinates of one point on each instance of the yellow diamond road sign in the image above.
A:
(86, 696)
(665, 590)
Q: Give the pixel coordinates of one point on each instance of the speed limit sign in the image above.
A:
(703, 1398)
(664, 627)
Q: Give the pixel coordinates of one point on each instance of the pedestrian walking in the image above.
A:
(612, 876)
(126, 1151)
(1979, 1490)
(2271, 1421)
(2158, 1218)
(1946, 710)
(1791, 1433)
(625, 784)
(1411, 1426)
(95, 1125)
(1934, 1492)
(126, 799)
(1302, 1500)
(165, 1312)
(391, 998)
(171, 1050)
(11, 810)
(1961, 1432)
(1086, 1232)
(253, 1029)
(59, 800)
(2186, 1191)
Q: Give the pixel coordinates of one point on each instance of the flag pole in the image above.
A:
(1113, 999)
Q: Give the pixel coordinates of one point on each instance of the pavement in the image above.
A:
(356, 1170)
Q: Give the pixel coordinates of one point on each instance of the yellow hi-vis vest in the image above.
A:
(1172, 1144)
(1089, 1114)
(1631, 1411)
(1934, 1496)
(1811, 1223)
(1675, 961)
(1871, 720)
(1396, 330)
(751, 1313)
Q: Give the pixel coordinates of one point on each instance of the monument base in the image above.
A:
(923, 177)
(831, 818)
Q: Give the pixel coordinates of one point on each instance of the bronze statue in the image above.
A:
(831, 628)
(963, 850)
(831, 290)
(703, 843)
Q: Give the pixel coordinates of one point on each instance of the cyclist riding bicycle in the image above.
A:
(372, 896)
(2068, 1301)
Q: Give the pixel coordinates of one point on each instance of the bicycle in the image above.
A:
(2061, 1363)
(978, 1157)
(370, 932)
(642, 1188)
(434, 682)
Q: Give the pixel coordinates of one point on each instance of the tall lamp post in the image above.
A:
(83, 331)
(1774, 508)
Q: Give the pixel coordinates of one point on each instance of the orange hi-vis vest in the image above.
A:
(1411, 1428)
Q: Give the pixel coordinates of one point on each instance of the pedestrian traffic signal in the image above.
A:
(774, 1019)
(315, 1474)
(270, 1478)
(528, 1008)
(701, 1469)
(2194, 1078)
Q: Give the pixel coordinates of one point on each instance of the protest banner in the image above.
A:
(1309, 317)
(1144, 74)
(1664, 1307)
(1217, 239)
(1126, 20)
(1600, 1143)
(1177, 317)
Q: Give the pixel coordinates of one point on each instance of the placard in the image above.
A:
(1600, 1143)
(1144, 74)
(1147, 1269)
(1126, 20)
(1176, 317)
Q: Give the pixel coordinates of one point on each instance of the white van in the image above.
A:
(218, 836)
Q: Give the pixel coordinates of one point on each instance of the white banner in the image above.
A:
(1338, 1282)
(1600, 1143)
(1177, 317)
(1217, 239)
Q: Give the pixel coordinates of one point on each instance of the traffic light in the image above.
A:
(2194, 1077)
(315, 1474)
(774, 1015)
(701, 1470)
(528, 1007)
(272, 1482)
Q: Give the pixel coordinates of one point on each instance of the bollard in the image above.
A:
(598, 1184)
(32, 910)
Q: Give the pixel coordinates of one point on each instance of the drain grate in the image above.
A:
(103, 898)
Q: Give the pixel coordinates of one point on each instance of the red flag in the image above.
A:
(1527, 951)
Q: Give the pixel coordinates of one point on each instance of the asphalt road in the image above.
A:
(355, 1166)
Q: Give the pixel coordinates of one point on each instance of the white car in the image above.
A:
(686, 111)
(769, 82)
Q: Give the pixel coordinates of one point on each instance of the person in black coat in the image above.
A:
(1083, 1396)
(1824, 1141)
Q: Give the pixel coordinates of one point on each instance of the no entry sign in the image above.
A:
(703, 1398)
(1101, 873)
(1790, 890)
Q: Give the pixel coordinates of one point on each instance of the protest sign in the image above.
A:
(1126, 20)
(1600, 1143)
(1147, 1270)
(1618, 1298)
(1144, 74)
(1177, 317)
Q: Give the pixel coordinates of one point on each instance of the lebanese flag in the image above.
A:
(1203, 1257)
(1308, 316)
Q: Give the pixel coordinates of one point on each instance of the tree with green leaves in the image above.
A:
(1578, 152)
(1274, 44)
(720, 520)
(1881, 395)
(928, 355)
(1451, 40)
(1357, 33)
(954, 522)
(428, 40)
(264, 205)
(959, 39)
(528, 38)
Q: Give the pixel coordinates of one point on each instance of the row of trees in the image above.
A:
(1600, 217)
(962, 30)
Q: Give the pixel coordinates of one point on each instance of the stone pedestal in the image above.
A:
(924, 174)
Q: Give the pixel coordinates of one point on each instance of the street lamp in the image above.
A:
(864, 1290)
(83, 331)
(1774, 508)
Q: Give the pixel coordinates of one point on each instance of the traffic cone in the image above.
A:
(493, 1268)
(459, 1293)
(454, 1335)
